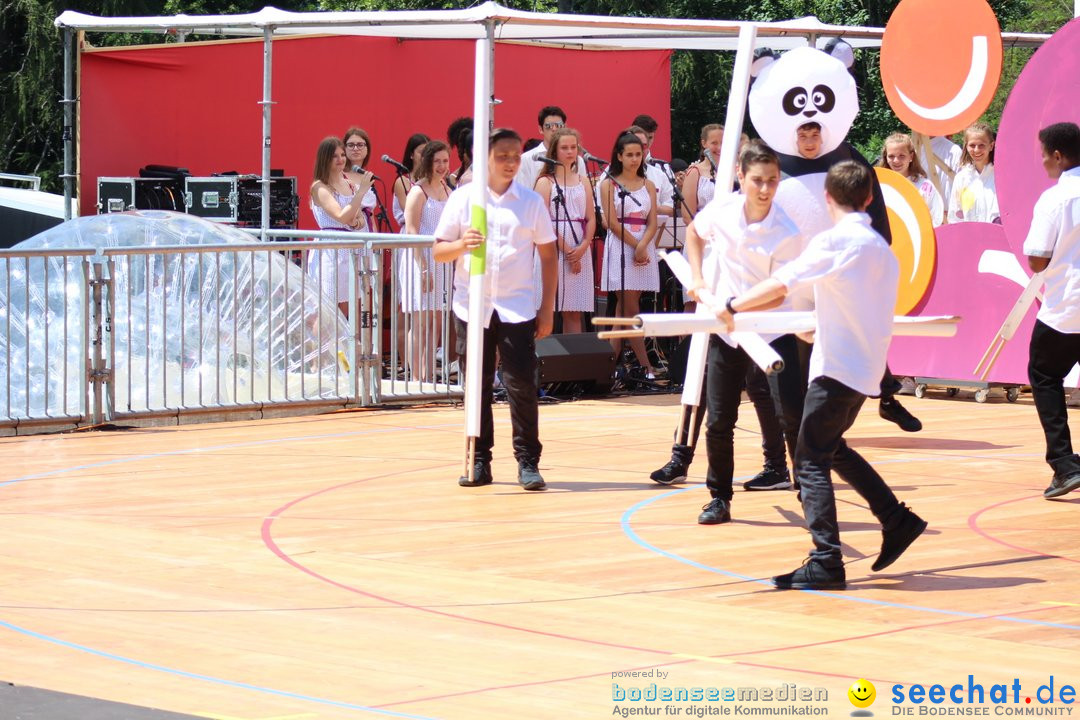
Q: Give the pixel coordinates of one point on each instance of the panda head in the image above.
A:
(803, 86)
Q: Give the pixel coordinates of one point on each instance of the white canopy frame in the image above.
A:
(486, 24)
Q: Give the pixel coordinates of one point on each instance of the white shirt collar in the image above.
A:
(759, 226)
(855, 217)
(1073, 172)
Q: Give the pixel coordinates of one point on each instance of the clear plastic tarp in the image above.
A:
(182, 327)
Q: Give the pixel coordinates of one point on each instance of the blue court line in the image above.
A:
(206, 678)
(629, 531)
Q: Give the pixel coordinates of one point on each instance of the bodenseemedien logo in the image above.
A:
(862, 695)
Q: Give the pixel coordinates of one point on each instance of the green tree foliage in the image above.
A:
(31, 57)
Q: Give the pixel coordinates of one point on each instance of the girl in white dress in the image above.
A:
(422, 283)
(699, 183)
(574, 219)
(337, 204)
(898, 154)
(630, 263)
(410, 159)
(974, 190)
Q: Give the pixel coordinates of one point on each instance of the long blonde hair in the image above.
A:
(915, 169)
(978, 127)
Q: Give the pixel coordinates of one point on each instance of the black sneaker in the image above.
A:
(715, 512)
(677, 468)
(529, 476)
(894, 412)
(769, 479)
(898, 537)
(1060, 485)
(812, 576)
(481, 475)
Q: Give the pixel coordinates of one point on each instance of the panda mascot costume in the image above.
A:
(801, 87)
(810, 86)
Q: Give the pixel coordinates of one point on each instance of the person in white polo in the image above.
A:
(854, 277)
(518, 222)
(1052, 247)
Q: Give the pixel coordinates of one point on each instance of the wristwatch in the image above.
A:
(728, 305)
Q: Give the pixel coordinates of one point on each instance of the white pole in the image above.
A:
(725, 176)
(477, 260)
(268, 35)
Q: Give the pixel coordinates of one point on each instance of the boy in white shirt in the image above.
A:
(1052, 247)
(518, 221)
(854, 276)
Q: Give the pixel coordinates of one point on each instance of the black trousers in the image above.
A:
(517, 353)
(1051, 356)
(830, 409)
(772, 433)
(726, 377)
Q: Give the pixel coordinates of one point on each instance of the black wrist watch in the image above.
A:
(728, 305)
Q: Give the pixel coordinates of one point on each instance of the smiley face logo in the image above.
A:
(862, 693)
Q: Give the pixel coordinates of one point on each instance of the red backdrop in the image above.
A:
(196, 105)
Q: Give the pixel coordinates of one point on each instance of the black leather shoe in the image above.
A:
(677, 467)
(812, 576)
(1062, 484)
(769, 479)
(894, 412)
(529, 476)
(896, 539)
(481, 475)
(715, 512)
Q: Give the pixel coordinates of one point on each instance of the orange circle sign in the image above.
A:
(913, 241)
(941, 63)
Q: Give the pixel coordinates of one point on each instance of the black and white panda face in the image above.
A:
(804, 85)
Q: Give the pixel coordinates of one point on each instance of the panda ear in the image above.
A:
(840, 50)
(763, 57)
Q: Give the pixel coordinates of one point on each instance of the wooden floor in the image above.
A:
(330, 567)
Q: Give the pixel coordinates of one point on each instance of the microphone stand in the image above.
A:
(560, 201)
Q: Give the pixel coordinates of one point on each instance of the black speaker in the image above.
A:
(575, 364)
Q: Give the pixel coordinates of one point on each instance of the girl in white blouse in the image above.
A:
(898, 154)
(974, 192)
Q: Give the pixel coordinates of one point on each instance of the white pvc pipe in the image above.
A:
(477, 260)
(725, 176)
(779, 323)
(267, 103)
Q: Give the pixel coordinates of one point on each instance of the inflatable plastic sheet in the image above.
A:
(186, 329)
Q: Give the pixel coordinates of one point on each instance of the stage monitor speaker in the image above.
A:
(575, 364)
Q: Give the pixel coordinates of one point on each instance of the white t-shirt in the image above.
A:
(1055, 234)
(854, 275)
(741, 254)
(517, 220)
(949, 153)
(531, 167)
(974, 196)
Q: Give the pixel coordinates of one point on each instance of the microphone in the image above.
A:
(546, 160)
(589, 157)
(402, 170)
(657, 163)
(360, 171)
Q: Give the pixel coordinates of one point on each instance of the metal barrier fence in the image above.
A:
(180, 333)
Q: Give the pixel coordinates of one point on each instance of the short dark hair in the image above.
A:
(453, 133)
(1063, 137)
(809, 126)
(850, 184)
(756, 152)
(502, 134)
(646, 122)
(547, 111)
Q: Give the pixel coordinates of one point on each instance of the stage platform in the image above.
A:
(330, 567)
